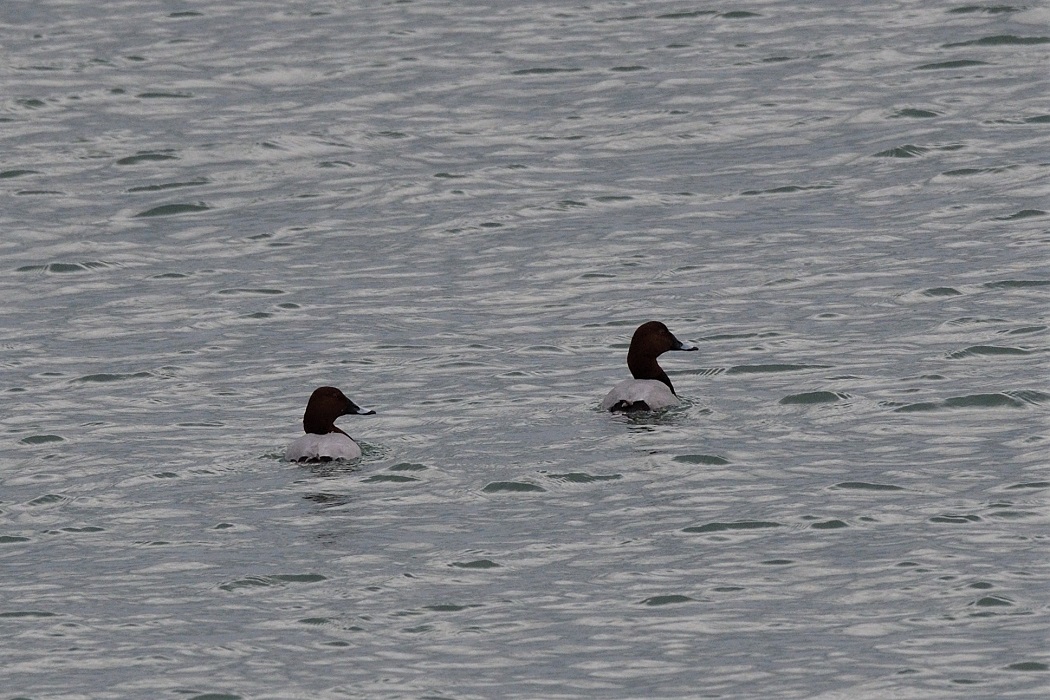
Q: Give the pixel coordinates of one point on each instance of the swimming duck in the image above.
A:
(651, 389)
(323, 441)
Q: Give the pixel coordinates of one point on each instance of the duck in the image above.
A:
(650, 389)
(323, 441)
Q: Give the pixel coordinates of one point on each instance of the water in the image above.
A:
(458, 214)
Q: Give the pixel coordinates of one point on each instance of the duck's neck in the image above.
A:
(648, 368)
(316, 426)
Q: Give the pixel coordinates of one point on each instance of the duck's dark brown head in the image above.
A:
(325, 405)
(649, 341)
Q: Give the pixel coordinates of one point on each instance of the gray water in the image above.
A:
(458, 213)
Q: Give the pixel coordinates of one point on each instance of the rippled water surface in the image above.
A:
(458, 213)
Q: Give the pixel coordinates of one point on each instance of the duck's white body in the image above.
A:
(321, 448)
(629, 393)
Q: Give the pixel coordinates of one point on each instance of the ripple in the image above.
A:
(583, 477)
(993, 601)
(987, 351)
(161, 187)
(408, 467)
(41, 439)
(66, 268)
(1017, 284)
(1002, 40)
(164, 95)
(50, 499)
(1029, 396)
(545, 70)
(914, 113)
(148, 157)
(941, 292)
(672, 599)
(1024, 213)
(732, 526)
(829, 525)
(978, 401)
(512, 487)
(475, 564)
(786, 189)
(246, 291)
(906, 151)
(17, 172)
(450, 607)
(987, 9)
(951, 65)
(108, 377)
(390, 479)
(174, 209)
(1025, 330)
(701, 459)
(866, 486)
(270, 581)
(955, 519)
(763, 369)
(688, 14)
(813, 397)
(970, 172)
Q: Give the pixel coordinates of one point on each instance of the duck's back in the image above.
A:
(322, 448)
(639, 395)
